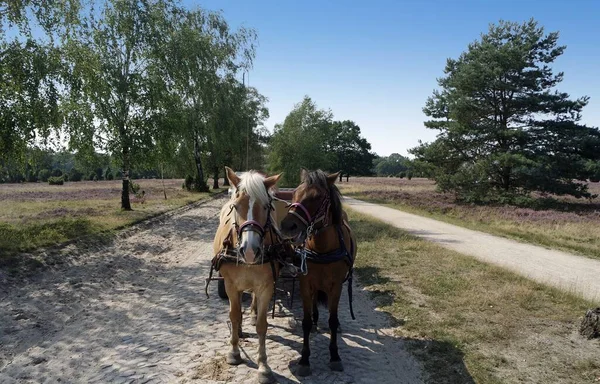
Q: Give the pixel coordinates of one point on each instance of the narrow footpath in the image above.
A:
(573, 273)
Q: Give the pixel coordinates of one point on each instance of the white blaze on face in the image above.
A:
(250, 239)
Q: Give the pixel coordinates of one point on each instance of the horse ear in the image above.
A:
(303, 173)
(331, 179)
(232, 177)
(271, 181)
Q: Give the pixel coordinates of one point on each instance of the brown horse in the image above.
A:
(245, 230)
(318, 224)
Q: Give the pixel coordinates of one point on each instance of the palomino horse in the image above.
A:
(318, 224)
(246, 227)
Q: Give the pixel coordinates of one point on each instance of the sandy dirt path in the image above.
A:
(134, 311)
(573, 273)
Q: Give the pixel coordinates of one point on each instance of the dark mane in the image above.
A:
(319, 178)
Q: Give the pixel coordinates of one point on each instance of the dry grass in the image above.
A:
(572, 225)
(34, 215)
(469, 321)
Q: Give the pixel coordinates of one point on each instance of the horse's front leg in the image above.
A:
(335, 362)
(265, 375)
(235, 316)
(307, 299)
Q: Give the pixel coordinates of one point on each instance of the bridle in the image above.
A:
(251, 225)
(254, 226)
(309, 220)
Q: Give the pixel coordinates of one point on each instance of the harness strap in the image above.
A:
(299, 216)
(252, 225)
(274, 285)
(350, 293)
(209, 280)
(303, 208)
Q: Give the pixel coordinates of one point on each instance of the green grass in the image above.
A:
(463, 318)
(64, 213)
(15, 238)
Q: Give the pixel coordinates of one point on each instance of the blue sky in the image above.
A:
(376, 62)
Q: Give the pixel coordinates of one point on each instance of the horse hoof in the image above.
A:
(336, 366)
(266, 377)
(304, 370)
(234, 358)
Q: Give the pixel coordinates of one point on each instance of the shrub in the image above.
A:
(66, 177)
(43, 175)
(91, 176)
(75, 175)
(409, 175)
(56, 180)
(402, 175)
(32, 177)
(57, 173)
(108, 175)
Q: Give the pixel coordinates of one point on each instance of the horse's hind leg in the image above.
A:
(265, 375)
(335, 362)
(307, 304)
(253, 309)
(235, 316)
(315, 313)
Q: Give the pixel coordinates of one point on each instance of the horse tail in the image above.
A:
(322, 298)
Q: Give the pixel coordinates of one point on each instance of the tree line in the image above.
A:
(148, 89)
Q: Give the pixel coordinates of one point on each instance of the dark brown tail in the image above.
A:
(322, 298)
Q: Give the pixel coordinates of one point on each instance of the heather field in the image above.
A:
(33, 215)
(568, 223)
